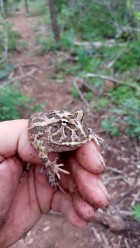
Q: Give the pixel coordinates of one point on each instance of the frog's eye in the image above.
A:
(64, 122)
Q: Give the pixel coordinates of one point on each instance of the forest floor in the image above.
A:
(115, 226)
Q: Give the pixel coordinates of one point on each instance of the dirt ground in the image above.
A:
(115, 226)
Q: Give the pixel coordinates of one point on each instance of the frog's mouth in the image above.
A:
(71, 144)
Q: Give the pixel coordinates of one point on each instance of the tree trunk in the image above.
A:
(26, 6)
(2, 8)
(54, 22)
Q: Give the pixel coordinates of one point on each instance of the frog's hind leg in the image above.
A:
(52, 169)
(53, 180)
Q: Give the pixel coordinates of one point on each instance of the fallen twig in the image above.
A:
(115, 170)
(82, 97)
(97, 44)
(89, 87)
(114, 80)
(117, 223)
(29, 74)
(27, 65)
(100, 238)
(126, 243)
(21, 68)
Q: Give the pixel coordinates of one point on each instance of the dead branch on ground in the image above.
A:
(20, 78)
(82, 96)
(118, 222)
(114, 80)
(97, 44)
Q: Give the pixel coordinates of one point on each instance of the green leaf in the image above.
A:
(103, 102)
(136, 212)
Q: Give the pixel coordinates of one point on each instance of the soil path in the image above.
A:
(40, 86)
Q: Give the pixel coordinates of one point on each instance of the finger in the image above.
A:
(21, 143)
(10, 173)
(23, 214)
(89, 185)
(14, 138)
(63, 203)
(83, 208)
(90, 158)
(25, 149)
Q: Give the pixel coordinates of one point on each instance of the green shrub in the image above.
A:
(89, 96)
(37, 8)
(86, 60)
(109, 126)
(66, 40)
(74, 92)
(9, 38)
(13, 37)
(14, 105)
(48, 44)
(3, 38)
(120, 93)
(103, 102)
(130, 57)
(5, 69)
(94, 19)
(124, 113)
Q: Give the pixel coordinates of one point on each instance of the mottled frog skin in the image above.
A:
(58, 131)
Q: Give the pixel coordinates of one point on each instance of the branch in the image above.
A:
(82, 97)
(2, 8)
(132, 29)
(5, 49)
(20, 77)
(89, 87)
(117, 222)
(96, 44)
(114, 80)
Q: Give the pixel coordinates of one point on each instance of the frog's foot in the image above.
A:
(51, 173)
(93, 136)
(56, 185)
(54, 168)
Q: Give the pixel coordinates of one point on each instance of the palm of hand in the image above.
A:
(21, 204)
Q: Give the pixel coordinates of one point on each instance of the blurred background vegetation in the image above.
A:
(103, 38)
(101, 43)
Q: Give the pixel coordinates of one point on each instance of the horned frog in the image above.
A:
(58, 131)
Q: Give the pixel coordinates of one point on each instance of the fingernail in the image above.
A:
(102, 187)
(102, 161)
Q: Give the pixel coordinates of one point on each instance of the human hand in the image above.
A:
(21, 204)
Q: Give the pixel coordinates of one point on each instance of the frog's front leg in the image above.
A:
(93, 136)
